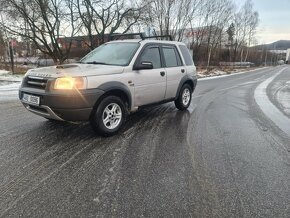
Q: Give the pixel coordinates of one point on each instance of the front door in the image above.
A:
(150, 84)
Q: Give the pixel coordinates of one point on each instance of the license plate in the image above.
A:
(31, 99)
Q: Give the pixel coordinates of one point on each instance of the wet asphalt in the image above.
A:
(221, 158)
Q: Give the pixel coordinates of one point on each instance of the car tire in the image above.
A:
(184, 97)
(108, 117)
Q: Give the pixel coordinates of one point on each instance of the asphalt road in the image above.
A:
(224, 157)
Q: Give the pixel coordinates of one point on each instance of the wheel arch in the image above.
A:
(116, 89)
(186, 80)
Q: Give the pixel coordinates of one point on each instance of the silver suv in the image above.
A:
(110, 82)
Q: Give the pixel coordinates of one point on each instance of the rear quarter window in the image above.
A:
(186, 55)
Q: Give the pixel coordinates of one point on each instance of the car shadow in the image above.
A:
(138, 121)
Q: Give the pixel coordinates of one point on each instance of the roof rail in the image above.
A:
(126, 34)
(118, 36)
(162, 36)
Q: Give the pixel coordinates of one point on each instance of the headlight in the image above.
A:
(70, 83)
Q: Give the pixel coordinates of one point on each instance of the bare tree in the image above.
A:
(42, 22)
(209, 28)
(231, 33)
(218, 16)
(205, 25)
(171, 17)
(198, 31)
(2, 48)
(245, 21)
(103, 17)
(251, 30)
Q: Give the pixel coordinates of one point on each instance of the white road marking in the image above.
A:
(269, 109)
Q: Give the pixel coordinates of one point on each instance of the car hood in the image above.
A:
(75, 70)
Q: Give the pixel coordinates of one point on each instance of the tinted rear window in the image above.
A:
(186, 55)
(171, 57)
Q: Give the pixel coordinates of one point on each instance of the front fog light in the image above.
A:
(70, 83)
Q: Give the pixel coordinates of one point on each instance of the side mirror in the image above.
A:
(144, 65)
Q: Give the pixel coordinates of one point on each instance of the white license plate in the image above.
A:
(31, 99)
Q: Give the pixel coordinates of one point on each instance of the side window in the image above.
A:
(171, 57)
(152, 54)
(186, 55)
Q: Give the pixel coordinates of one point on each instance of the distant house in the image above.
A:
(193, 35)
(80, 42)
(81, 45)
(200, 35)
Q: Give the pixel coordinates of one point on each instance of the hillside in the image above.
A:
(279, 45)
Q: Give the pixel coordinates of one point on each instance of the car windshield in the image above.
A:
(112, 54)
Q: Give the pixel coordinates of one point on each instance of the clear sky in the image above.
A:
(274, 18)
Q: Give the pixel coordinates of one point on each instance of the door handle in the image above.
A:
(182, 70)
(162, 73)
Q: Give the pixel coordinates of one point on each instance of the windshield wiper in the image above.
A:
(95, 62)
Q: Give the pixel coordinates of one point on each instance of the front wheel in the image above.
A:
(109, 116)
(184, 97)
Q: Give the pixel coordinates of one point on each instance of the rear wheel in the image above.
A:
(184, 98)
(108, 117)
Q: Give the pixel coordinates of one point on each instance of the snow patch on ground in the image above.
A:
(205, 73)
(2, 72)
(8, 76)
(216, 74)
(9, 90)
(9, 86)
(282, 96)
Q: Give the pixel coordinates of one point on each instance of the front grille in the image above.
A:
(36, 82)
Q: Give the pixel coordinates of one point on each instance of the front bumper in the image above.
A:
(74, 105)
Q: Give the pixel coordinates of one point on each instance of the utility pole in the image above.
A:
(266, 58)
(11, 56)
(5, 32)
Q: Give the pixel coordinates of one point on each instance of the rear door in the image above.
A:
(189, 65)
(150, 84)
(174, 69)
